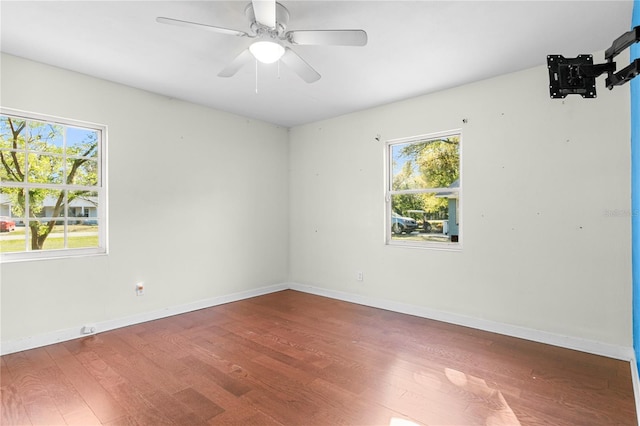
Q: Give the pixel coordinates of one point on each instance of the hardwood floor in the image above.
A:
(291, 358)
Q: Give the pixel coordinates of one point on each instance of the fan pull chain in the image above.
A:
(256, 76)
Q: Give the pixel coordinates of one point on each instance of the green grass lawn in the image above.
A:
(53, 242)
(20, 230)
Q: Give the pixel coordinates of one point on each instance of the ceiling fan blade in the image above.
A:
(328, 37)
(265, 12)
(188, 24)
(299, 66)
(243, 58)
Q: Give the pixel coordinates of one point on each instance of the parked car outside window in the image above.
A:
(7, 224)
(400, 224)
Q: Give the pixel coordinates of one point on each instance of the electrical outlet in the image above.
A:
(360, 276)
(140, 289)
(88, 329)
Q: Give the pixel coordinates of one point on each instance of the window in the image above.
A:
(423, 191)
(52, 187)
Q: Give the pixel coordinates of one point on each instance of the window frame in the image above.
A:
(389, 192)
(100, 188)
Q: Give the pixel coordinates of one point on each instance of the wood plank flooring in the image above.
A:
(291, 358)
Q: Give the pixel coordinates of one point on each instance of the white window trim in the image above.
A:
(101, 189)
(388, 192)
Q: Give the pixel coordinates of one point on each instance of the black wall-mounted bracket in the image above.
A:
(569, 76)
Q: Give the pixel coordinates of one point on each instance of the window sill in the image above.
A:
(51, 255)
(457, 247)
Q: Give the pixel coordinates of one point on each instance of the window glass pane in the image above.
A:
(82, 172)
(45, 232)
(46, 203)
(11, 242)
(54, 239)
(405, 168)
(429, 217)
(44, 168)
(12, 236)
(45, 137)
(12, 166)
(11, 203)
(12, 132)
(82, 233)
(425, 164)
(82, 229)
(82, 142)
(83, 204)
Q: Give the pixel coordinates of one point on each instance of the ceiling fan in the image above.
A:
(268, 28)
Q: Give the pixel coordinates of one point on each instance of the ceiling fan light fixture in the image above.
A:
(266, 52)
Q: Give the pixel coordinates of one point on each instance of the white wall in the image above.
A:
(198, 206)
(539, 177)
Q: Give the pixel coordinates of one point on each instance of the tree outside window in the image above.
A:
(51, 185)
(423, 190)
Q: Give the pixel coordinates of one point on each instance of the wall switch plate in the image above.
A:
(140, 289)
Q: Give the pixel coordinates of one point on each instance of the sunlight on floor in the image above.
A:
(500, 412)
(396, 421)
(444, 396)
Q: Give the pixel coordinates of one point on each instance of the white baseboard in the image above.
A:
(11, 346)
(584, 345)
(635, 379)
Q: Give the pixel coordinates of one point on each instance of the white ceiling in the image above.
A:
(414, 48)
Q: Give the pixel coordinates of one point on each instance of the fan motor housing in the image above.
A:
(282, 18)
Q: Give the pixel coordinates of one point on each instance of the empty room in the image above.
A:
(390, 213)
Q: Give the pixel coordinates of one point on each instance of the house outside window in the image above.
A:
(423, 193)
(52, 186)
